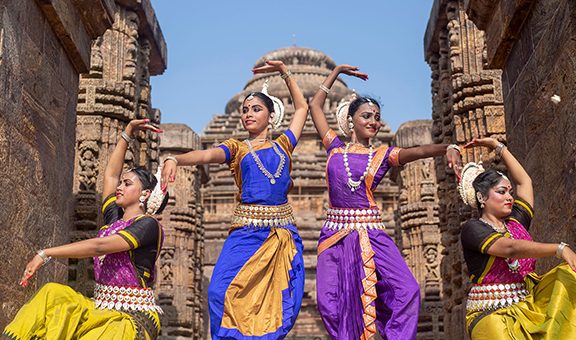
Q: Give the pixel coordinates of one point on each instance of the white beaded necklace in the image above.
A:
(513, 264)
(352, 184)
(265, 171)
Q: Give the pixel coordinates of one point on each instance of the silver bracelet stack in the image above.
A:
(127, 138)
(43, 255)
(560, 249)
(171, 158)
(455, 147)
(285, 75)
(324, 88)
(498, 150)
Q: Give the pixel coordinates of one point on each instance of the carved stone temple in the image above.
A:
(417, 231)
(73, 73)
(308, 196)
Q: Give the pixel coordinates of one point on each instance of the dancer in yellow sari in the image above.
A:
(507, 299)
(124, 251)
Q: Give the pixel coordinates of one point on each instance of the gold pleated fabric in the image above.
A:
(548, 312)
(253, 303)
(59, 312)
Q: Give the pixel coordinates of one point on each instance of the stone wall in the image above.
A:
(467, 102)
(417, 230)
(533, 42)
(44, 46)
(180, 268)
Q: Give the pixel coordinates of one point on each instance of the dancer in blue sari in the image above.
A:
(257, 285)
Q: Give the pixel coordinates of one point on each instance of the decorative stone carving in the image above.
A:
(417, 230)
(533, 42)
(180, 285)
(44, 46)
(115, 90)
(466, 103)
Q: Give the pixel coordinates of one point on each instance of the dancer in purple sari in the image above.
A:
(363, 283)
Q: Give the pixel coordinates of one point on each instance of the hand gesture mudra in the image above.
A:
(271, 66)
(31, 268)
(140, 124)
(351, 71)
(486, 142)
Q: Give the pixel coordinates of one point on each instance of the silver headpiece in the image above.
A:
(342, 114)
(156, 197)
(469, 173)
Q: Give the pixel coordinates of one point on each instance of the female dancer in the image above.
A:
(507, 299)
(258, 281)
(363, 282)
(124, 251)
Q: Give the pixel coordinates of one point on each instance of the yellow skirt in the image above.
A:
(549, 311)
(59, 312)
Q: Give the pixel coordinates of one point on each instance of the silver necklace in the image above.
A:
(265, 171)
(352, 184)
(513, 264)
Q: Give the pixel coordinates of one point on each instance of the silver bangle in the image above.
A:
(560, 249)
(43, 256)
(324, 88)
(171, 158)
(455, 147)
(285, 75)
(125, 136)
(498, 150)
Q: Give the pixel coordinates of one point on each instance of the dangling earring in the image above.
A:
(270, 120)
(142, 199)
(480, 199)
(350, 123)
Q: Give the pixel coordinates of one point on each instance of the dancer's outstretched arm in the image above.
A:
(432, 150)
(317, 103)
(300, 105)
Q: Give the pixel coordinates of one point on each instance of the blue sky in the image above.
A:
(212, 46)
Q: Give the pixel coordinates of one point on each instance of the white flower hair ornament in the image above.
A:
(344, 124)
(278, 114)
(157, 196)
(469, 173)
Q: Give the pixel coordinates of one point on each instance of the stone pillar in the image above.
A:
(417, 230)
(44, 46)
(179, 280)
(533, 42)
(114, 91)
(466, 103)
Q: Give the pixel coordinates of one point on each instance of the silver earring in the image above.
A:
(350, 123)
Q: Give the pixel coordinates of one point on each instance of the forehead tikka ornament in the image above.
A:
(469, 173)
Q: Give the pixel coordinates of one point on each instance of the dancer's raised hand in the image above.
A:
(168, 173)
(271, 66)
(140, 124)
(351, 71)
(454, 161)
(486, 142)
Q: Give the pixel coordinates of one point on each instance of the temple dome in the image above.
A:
(309, 68)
